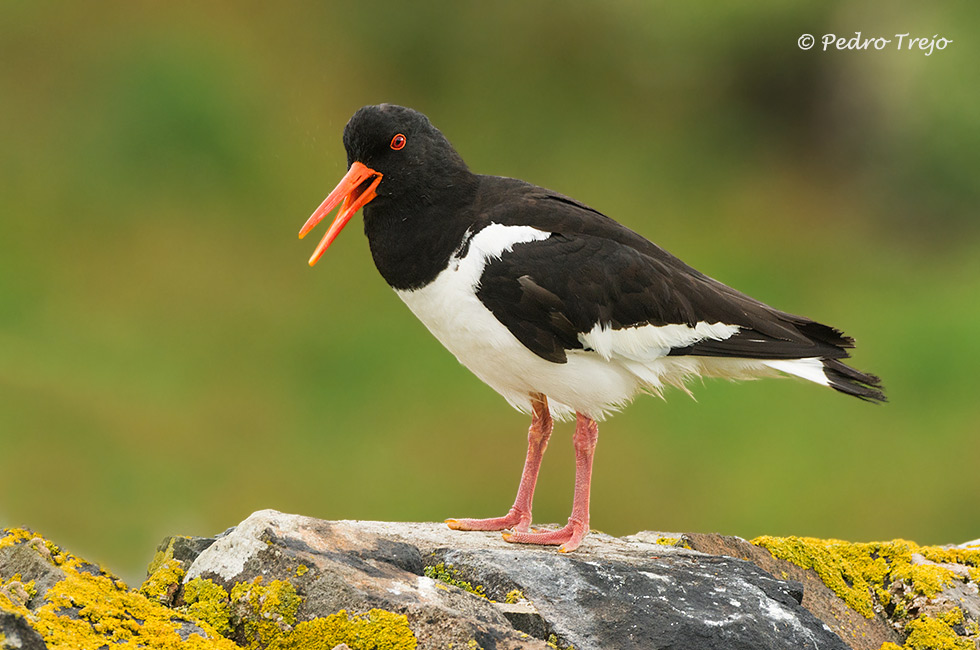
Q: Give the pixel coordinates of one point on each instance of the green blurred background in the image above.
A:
(169, 363)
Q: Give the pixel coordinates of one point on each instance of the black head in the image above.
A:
(396, 159)
(413, 156)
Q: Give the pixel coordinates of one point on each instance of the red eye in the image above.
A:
(398, 142)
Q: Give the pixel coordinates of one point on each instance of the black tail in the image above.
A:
(853, 382)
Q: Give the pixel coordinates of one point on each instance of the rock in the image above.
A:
(16, 633)
(281, 581)
(860, 632)
(927, 595)
(611, 593)
(684, 599)
(525, 617)
(50, 598)
(345, 566)
(183, 549)
(31, 558)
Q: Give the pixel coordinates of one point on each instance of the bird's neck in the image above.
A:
(413, 238)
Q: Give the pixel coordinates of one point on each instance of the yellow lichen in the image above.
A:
(952, 617)
(14, 605)
(865, 575)
(445, 573)
(267, 611)
(859, 572)
(90, 608)
(933, 634)
(17, 592)
(850, 575)
(14, 536)
(301, 570)
(372, 631)
(102, 613)
(44, 548)
(89, 611)
(164, 581)
(514, 596)
(162, 557)
(926, 579)
(552, 642)
(265, 616)
(208, 602)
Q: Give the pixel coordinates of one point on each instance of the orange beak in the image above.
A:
(355, 189)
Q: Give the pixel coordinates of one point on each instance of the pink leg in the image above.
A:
(586, 435)
(519, 516)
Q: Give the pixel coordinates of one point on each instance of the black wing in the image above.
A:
(595, 270)
(592, 270)
(548, 292)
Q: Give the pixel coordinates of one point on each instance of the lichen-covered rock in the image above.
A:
(166, 570)
(928, 595)
(285, 582)
(859, 631)
(454, 587)
(338, 583)
(51, 598)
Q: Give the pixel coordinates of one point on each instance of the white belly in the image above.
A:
(454, 315)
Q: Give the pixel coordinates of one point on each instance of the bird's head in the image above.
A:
(393, 154)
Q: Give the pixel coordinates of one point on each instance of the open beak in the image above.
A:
(355, 189)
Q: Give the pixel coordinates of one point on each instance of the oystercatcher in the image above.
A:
(557, 307)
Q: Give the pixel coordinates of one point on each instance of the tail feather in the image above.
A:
(849, 381)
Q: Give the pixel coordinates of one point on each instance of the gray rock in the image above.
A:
(525, 617)
(341, 565)
(611, 593)
(862, 633)
(33, 560)
(17, 634)
(684, 600)
(186, 549)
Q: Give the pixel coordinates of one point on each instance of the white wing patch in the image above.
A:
(489, 244)
(649, 342)
(810, 368)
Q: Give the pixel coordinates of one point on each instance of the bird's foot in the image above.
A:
(569, 536)
(517, 519)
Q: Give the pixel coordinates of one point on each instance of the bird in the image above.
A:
(563, 311)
